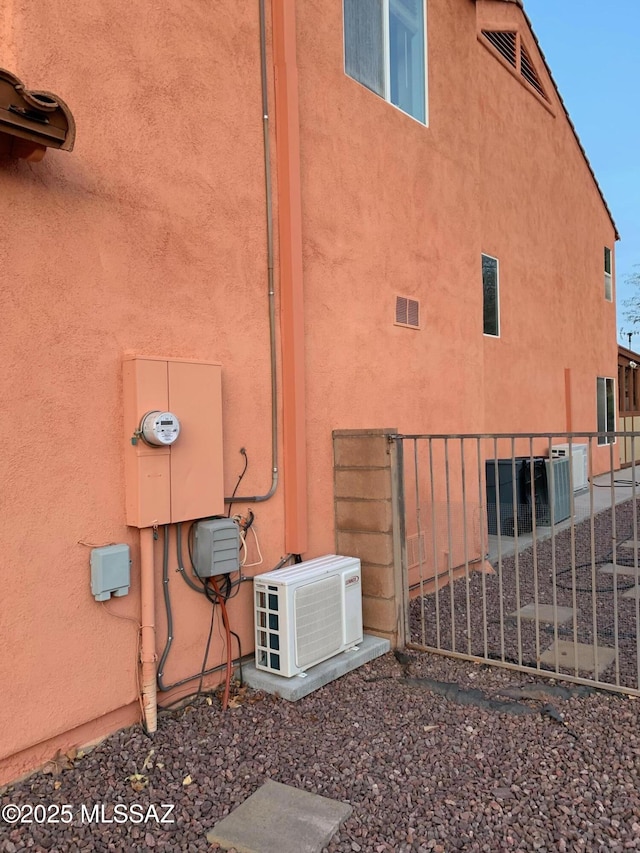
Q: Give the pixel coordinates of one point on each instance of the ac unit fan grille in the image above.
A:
(318, 620)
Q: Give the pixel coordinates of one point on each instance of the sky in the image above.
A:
(593, 50)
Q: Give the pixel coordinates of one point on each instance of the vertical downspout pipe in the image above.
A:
(291, 289)
(148, 631)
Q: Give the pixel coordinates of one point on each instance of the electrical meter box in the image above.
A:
(217, 547)
(180, 479)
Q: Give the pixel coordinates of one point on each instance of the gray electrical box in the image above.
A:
(217, 547)
(110, 571)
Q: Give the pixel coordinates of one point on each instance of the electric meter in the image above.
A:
(159, 428)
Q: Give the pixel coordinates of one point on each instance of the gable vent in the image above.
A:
(407, 312)
(509, 46)
(529, 73)
(504, 43)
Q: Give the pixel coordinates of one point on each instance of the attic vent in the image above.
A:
(407, 312)
(509, 46)
(504, 43)
(529, 73)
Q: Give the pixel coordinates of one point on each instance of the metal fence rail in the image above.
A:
(522, 550)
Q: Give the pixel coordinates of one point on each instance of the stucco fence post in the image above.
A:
(369, 523)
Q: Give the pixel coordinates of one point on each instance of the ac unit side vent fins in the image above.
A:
(318, 620)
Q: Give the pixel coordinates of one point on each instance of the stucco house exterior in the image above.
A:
(297, 217)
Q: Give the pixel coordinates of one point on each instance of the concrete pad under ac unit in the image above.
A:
(317, 676)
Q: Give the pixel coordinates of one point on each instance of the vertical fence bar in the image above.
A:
(574, 580)
(614, 536)
(594, 577)
(499, 532)
(465, 544)
(416, 474)
(399, 515)
(449, 546)
(635, 552)
(516, 556)
(534, 530)
(434, 537)
(483, 548)
(551, 483)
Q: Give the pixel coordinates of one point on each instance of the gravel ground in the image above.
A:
(422, 773)
(499, 595)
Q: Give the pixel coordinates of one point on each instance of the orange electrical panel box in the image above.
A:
(183, 480)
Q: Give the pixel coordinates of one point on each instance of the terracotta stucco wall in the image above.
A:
(150, 239)
(544, 219)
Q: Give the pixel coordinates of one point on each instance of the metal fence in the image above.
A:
(522, 551)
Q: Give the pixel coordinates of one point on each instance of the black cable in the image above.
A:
(206, 651)
(239, 657)
(244, 471)
(188, 696)
(181, 568)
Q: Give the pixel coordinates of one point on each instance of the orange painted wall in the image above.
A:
(150, 239)
(544, 219)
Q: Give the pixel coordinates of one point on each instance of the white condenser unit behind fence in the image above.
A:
(580, 462)
(307, 613)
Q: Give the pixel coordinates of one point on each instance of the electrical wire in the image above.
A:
(181, 568)
(225, 622)
(206, 651)
(243, 472)
(136, 622)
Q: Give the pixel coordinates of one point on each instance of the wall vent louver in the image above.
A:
(504, 43)
(407, 312)
(416, 551)
(507, 44)
(529, 73)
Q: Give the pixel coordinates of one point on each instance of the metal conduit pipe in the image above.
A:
(270, 276)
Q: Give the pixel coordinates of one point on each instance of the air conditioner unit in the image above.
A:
(307, 613)
(580, 462)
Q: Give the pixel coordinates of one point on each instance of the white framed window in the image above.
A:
(490, 296)
(608, 280)
(385, 50)
(606, 404)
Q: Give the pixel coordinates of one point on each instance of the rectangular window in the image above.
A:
(384, 49)
(608, 286)
(606, 409)
(490, 291)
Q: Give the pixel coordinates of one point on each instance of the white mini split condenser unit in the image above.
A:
(307, 613)
(579, 460)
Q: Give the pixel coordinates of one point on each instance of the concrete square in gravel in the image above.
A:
(545, 613)
(280, 819)
(579, 655)
(607, 569)
(634, 592)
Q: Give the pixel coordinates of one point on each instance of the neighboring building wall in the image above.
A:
(628, 405)
(149, 239)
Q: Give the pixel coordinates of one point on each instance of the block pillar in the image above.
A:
(369, 523)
